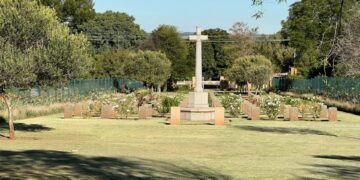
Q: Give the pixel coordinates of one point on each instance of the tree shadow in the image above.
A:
(39, 164)
(26, 127)
(336, 171)
(282, 130)
(336, 157)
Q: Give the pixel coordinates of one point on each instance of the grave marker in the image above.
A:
(332, 114)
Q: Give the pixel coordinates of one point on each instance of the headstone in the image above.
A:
(282, 108)
(324, 112)
(294, 114)
(219, 116)
(107, 112)
(78, 109)
(332, 114)
(255, 113)
(249, 110)
(145, 111)
(68, 111)
(175, 116)
(287, 112)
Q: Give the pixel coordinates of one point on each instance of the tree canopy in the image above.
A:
(72, 12)
(168, 40)
(256, 70)
(113, 30)
(313, 27)
(35, 48)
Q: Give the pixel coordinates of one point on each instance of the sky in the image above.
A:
(187, 14)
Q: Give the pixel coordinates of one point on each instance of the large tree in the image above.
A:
(348, 47)
(113, 30)
(36, 49)
(72, 12)
(168, 40)
(281, 56)
(255, 70)
(313, 28)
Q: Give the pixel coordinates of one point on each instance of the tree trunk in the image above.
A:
(159, 88)
(10, 116)
(249, 88)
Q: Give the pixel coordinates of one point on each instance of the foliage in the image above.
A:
(232, 103)
(252, 69)
(146, 66)
(125, 105)
(312, 27)
(36, 48)
(164, 103)
(113, 30)
(168, 40)
(270, 104)
(141, 96)
(349, 43)
(281, 56)
(287, 100)
(72, 12)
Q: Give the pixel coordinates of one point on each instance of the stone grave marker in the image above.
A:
(294, 114)
(324, 112)
(78, 109)
(175, 116)
(68, 111)
(107, 112)
(332, 114)
(287, 112)
(255, 113)
(219, 116)
(145, 111)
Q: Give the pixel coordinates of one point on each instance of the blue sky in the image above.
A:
(187, 14)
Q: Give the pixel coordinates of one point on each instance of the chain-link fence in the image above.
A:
(341, 88)
(73, 91)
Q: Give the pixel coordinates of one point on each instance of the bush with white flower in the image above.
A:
(232, 103)
(270, 104)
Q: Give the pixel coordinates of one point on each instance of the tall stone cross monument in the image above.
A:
(198, 99)
(198, 38)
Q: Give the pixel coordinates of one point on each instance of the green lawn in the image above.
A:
(52, 147)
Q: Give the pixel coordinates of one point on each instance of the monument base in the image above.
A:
(198, 114)
(198, 108)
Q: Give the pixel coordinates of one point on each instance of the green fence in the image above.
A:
(75, 90)
(335, 87)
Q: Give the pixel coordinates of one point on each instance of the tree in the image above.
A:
(313, 27)
(110, 63)
(256, 70)
(168, 40)
(244, 45)
(153, 68)
(36, 49)
(72, 12)
(348, 46)
(281, 56)
(113, 30)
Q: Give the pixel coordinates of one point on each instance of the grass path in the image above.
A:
(55, 147)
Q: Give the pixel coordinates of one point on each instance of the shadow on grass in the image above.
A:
(336, 157)
(26, 127)
(60, 165)
(282, 130)
(336, 171)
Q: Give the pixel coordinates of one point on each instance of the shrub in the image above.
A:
(166, 102)
(271, 105)
(232, 103)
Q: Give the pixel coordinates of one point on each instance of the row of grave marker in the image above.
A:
(107, 111)
(252, 111)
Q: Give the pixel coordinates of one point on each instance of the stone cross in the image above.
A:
(198, 38)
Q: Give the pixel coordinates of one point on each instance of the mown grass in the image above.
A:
(53, 147)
